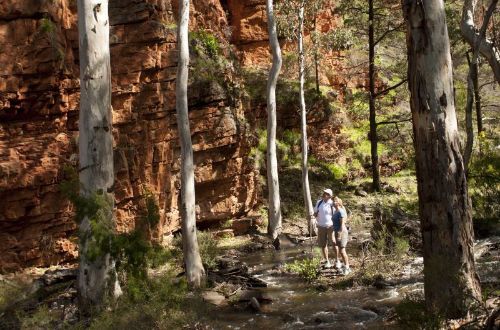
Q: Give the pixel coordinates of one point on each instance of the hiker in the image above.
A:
(341, 235)
(323, 211)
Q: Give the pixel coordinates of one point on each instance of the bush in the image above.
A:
(133, 251)
(305, 268)
(484, 180)
(158, 303)
(207, 41)
(208, 246)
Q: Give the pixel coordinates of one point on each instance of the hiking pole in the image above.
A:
(310, 233)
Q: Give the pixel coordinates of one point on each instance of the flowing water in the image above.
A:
(297, 305)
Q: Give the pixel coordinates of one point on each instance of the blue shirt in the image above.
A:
(337, 216)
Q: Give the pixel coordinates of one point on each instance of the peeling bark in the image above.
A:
(195, 273)
(450, 280)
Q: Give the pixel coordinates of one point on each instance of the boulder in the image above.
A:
(214, 298)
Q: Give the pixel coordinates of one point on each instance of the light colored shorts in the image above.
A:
(341, 238)
(325, 234)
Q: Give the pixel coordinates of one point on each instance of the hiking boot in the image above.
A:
(338, 264)
(346, 271)
(328, 265)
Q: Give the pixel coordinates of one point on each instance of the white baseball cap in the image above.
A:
(328, 191)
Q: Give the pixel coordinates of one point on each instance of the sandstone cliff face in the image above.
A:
(39, 95)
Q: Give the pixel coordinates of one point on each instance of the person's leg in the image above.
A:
(343, 245)
(322, 237)
(330, 237)
(345, 257)
(337, 254)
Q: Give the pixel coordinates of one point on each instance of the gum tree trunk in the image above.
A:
(97, 277)
(303, 125)
(195, 272)
(450, 280)
(373, 114)
(274, 225)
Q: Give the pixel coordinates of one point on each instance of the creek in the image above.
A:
(296, 304)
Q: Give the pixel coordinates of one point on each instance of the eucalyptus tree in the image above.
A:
(451, 283)
(275, 220)
(96, 276)
(379, 24)
(195, 272)
(294, 15)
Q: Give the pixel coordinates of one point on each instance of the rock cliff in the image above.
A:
(39, 95)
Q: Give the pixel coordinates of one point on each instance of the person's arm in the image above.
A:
(316, 210)
(343, 218)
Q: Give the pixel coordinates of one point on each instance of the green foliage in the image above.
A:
(338, 39)
(306, 268)
(47, 26)
(132, 251)
(9, 293)
(390, 243)
(412, 314)
(42, 318)
(208, 246)
(208, 65)
(208, 43)
(157, 303)
(258, 153)
(209, 249)
(333, 170)
(484, 180)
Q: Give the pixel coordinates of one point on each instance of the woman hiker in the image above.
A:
(339, 219)
(323, 211)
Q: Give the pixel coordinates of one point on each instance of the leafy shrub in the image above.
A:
(133, 252)
(208, 246)
(305, 268)
(207, 41)
(484, 180)
(157, 303)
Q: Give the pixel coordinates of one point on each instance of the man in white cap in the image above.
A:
(323, 211)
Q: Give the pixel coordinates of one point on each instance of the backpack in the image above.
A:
(321, 202)
(333, 212)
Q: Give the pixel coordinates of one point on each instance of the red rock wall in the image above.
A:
(39, 92)
(39, 95)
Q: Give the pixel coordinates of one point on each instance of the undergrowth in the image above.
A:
(308, 269)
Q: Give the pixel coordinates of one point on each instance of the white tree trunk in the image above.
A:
(303, 126)
(450, 280)
(274, 225)
(195, 272)
(97, 278)
(478, 40)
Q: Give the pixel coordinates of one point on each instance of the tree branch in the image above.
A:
(386, 32)
(388, 89)
(387, 122)
(485, 46)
